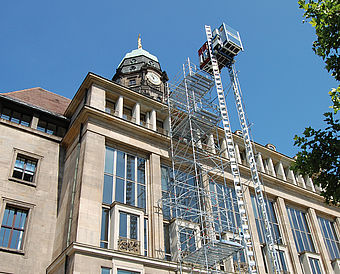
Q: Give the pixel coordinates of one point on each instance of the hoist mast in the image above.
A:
(219, 51)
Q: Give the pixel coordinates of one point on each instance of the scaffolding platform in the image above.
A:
(217, 250)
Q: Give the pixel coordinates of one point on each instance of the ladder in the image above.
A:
(258, 186)
(244, 231)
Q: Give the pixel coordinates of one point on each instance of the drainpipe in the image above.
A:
(73, 194)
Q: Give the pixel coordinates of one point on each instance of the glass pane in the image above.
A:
(123, 224)
(130, 193)
(4, 236)
(120, 164)
(109, 153)
(119, 190)
(133, 227)
(16, 117)
(130, 168)
(141, 196)
(141, 170)
(108, 188)
(20, 219)
(6, 113)
(8, 217)
(165, 178)
(145, 236)
(106, 270)
(105, 225)
(26, 120)
(41, 125)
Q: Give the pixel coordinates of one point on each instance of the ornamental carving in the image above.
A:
(129, 245)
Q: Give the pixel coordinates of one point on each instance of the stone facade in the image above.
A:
(66, 230)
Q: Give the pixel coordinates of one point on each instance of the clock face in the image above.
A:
(153, 78)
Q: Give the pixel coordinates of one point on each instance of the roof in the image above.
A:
(139, 52)
(41, 98)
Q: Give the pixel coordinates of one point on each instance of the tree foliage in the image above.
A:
(319, 157)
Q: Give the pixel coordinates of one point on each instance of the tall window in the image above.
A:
(315, 265)
(24, 168)
(186, 194)
(260, 222)
(225, 209)
(330, 238)
(13, 227)
(124, 179)
(301, 232)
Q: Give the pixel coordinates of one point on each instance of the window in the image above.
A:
(110, 107)
(329, 236)
(187, 239)
(301, 232)
(260, 222)
(16, 117)
(315, 266)
(129, 233)
(104, 235)
(132, 82)
(167, 242)
(127, 113)
(106, 270)
(121, 271)
(185, 191)
(124, 179)
(13, 227)
(225, 210)
(50, 128)
(143, 119)
(25, 168)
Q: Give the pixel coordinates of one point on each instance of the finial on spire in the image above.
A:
(139, 42)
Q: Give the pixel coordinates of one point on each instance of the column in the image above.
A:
(259, 162)
(97, 97)
(320, 243)
(288, 236)
(153, 120)
(167, 125)
(255, 237)
(35, 121)
(211, 144)
(119, 107)
(156, 232)
(136, 113)
(237, 152)
(280, 172)
(224, 148)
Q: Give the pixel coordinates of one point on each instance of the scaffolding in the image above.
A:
(203, 207)
(209, 223)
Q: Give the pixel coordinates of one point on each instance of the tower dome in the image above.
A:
(140, 70)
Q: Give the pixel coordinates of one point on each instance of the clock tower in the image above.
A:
(140, 71)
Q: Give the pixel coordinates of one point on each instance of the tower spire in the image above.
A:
(139, 42)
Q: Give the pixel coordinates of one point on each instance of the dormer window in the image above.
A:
(132, 82)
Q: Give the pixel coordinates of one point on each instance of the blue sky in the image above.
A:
(54, 44)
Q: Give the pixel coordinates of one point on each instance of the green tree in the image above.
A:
(319, 157)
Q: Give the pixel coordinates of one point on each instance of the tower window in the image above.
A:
(132, 82)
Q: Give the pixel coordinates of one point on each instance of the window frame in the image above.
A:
(114, 232)
(308, 224)
(114, 177)
(7, 202)
(305, 261)
(28, 156)
(334, 231)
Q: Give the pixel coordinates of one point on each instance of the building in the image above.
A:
(81, 182)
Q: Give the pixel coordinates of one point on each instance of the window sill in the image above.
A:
(33, 184)
(11, 250)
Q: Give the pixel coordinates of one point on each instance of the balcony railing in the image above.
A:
(129, 245)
